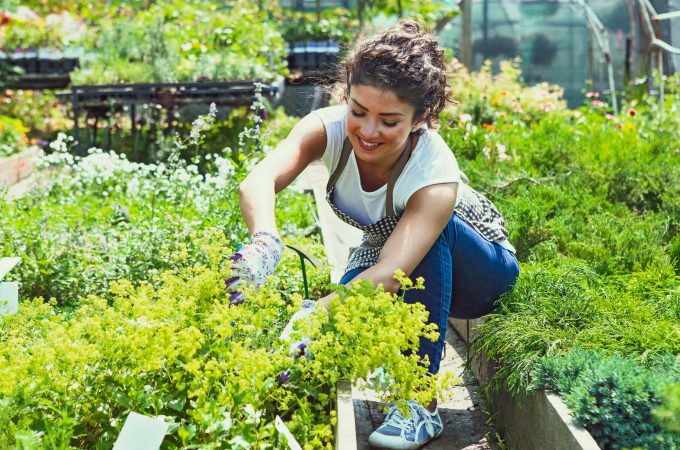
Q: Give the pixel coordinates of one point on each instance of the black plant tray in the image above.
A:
(44, 66)
(40, 81)
(168, 95)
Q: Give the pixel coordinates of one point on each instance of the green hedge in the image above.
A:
(592, 204)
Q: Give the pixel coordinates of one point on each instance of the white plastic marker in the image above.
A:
(283, 429)
(9, 290)
(141, 433)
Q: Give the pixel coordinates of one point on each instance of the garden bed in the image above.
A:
(18, 167)
(538, 421)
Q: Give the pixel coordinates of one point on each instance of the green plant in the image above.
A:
(668, 414)
(613, 397)
(12, 136)
(215, 371)
(675, 253)
(163, 44)
(557, 305)
(105, 218)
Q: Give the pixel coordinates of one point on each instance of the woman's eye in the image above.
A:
(358, 114)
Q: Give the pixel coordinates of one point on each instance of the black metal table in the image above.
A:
(99, 99)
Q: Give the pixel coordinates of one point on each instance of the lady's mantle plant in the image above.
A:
(181, 351)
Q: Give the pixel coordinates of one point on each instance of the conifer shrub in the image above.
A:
(614, 397)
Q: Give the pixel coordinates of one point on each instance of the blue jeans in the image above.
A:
(464, 276)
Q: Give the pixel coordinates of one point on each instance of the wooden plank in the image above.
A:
(539, 421)
(345, 432)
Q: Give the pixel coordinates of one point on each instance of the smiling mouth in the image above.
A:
(366, 146)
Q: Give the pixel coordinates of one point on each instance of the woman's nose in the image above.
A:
(370, 130)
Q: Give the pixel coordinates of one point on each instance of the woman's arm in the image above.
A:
(305, 143)
(427, 213)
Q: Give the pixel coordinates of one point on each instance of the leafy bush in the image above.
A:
(163, 44)
(556, 306)
(216, 372)
(12, 136)
(22, 28)
(668, 414)
(613, 397)
(336, 24)
(102, 218)
(39, 111)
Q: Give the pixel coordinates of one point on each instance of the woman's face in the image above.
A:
(378, 124)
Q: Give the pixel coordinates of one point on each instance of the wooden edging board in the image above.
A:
(17, 167)
(540, 421)
(345, 430)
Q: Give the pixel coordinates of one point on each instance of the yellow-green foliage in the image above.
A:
(487, 97)
(180, 350)
(669, 413)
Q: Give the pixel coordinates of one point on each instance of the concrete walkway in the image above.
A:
(464, 420)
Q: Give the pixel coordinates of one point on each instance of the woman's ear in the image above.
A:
(420, 120)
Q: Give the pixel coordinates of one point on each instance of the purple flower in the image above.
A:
(284, 376)
(301, 350)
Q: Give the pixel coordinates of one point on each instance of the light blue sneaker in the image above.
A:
(407, 433)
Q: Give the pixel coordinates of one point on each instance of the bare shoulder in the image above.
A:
(309, 135)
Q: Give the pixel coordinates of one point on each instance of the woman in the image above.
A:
(393, 177)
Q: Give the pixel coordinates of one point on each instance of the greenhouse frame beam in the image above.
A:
(602, 38)
(649, 14)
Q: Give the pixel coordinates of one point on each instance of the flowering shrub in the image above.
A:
(215, 371)
(167, 42)
(25, 29)
(12, 136)
(103, 218)
(39, 111)
(489, 98)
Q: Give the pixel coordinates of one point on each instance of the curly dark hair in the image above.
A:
(405, 60)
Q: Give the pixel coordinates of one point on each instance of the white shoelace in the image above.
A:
(397, 419)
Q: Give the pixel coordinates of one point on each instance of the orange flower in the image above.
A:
(488, 126)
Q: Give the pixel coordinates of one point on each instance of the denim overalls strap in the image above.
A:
(377, 233)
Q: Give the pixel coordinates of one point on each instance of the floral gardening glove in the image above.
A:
(299, 346)
(253, 263)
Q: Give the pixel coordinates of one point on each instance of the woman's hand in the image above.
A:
(298, 347)
(253, 263)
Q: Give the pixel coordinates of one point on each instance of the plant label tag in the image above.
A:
(7, 264)
(141, 433)
(9, 290)
(9, 297)
(283, 429)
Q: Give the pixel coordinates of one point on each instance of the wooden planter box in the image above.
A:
(345, 430)
(18, 167)
(540, 421)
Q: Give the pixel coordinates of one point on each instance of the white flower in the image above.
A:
(502, 151)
